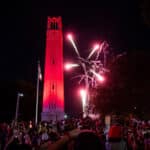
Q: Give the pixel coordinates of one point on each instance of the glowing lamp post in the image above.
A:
(17, 105)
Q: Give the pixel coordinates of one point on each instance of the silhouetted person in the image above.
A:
(88, 140)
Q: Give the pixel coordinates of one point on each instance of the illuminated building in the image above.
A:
(53, 91)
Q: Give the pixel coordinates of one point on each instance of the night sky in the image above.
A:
(22, 38)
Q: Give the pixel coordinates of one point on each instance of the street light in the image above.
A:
(17, 105)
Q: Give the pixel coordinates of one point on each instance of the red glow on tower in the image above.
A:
(53, 94)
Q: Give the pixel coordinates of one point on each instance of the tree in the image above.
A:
(145, 11)
(128, 85)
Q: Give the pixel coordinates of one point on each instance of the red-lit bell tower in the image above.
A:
(53, 94)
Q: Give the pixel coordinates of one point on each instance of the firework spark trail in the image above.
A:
(73, 44)
(93, 51)
(69, 66)
(100, 49)
(83, 96)
(93, 69)
(99, 77)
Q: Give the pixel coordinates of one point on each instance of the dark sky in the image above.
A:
(23, 28)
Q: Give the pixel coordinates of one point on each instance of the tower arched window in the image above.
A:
(54, 26)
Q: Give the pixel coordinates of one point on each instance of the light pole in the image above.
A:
(17, 105)
(39, 77)
(37, 100)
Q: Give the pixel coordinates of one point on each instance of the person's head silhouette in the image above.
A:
(87, 140)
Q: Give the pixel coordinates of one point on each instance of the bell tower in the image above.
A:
(53, 91)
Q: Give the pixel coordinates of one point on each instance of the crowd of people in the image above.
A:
(122, 133)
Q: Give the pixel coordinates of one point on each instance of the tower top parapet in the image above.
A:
(54, 23)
